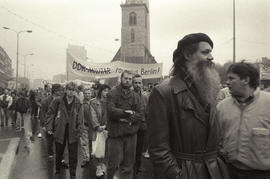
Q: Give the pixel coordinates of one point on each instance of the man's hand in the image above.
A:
(103, 127)
(100, 128)
(50, 132)
(130, 112)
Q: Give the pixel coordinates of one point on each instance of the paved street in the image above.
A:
(9, 141)
(20, 158)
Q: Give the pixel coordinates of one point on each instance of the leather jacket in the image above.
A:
(184, 134)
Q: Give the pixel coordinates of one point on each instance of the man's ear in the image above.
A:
(246, 80)
(186, 55)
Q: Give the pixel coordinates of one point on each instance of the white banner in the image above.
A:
(77, 68)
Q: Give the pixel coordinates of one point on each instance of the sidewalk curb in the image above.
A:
(8, 157)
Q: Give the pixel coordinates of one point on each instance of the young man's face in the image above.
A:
(137, 84)
(87, 94)
(105, 92)
(126, 80)
(58, 92)
(203, 53)
(70, 92)
(235, 84)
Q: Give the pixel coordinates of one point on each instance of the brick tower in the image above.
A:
(135, 33)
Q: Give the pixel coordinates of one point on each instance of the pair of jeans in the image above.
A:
(20, 120)
(84, 144)
(139, 149)
(34, 124)
(121, 156)
(50, 139)
(13, 115)
(72, 154)
(4, 116)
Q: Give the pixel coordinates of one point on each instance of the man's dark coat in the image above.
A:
(183, 135)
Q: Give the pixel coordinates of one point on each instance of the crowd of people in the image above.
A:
(16, 104)
(187, 125)
(77, 117)
(103, 122)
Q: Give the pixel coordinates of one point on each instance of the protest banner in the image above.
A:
(77, 69)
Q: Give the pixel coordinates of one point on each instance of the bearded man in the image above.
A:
(125, 116)
(182, 121)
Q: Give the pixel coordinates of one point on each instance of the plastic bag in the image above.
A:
(99, 145)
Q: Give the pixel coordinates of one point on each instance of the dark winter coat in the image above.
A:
(118, 102)
(58, 117)
(22, 105)
(45, 103)
(179, 128)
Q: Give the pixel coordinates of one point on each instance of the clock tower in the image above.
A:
(135, 33)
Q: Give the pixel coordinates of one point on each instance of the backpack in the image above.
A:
(22, 105)
(4, 102)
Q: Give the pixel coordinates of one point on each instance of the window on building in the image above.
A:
(132, 35)
(132, 18)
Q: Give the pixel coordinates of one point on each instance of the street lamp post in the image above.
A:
(234, 31)
(17, 54)
(24, 74)
(28, 69)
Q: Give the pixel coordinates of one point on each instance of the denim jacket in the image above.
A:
(246, 131)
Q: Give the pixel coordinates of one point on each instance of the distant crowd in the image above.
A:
(77, 115)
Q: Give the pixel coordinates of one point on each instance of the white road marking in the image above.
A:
(8, 157)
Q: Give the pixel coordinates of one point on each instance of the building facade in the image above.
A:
(135, 37)
(59, 78)
(38, 83)
(5, 68)
(135, 33)
(77, 51)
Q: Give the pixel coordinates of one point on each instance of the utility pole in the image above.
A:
(233, 31)
(17, 54)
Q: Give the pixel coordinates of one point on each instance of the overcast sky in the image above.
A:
(96, 23)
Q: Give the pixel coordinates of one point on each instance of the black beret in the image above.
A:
(189, 40)
(56, 87)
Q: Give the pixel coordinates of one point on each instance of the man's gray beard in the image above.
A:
(206, 79)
